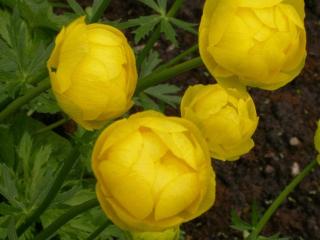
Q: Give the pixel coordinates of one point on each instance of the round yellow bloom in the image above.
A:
(153, 172)
(93, 73)
(258, 43)
(226, 116)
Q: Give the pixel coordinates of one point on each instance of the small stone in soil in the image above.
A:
(295, 169)
(269, 169)
(294, 141)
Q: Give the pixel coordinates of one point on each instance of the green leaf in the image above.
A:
(164, 92)
(163, 5)
(23, 56)
(39, 13)
(169, 31)
(238, 223)
(76, 7)
(152, 4)
(189, 27)
(24, 152)
(12, 234)
(113, 232)
(8, 187)
(147, 103)
(44, 103)
(6, 209)
(146, 25)
(255, 213)
(4, 23)
(7, 150)
(150, 63)
(42, 174)
(98, 7)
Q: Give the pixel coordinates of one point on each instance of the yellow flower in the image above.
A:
(153, 172)
(93, 73)
(258, 43)
(226, 116)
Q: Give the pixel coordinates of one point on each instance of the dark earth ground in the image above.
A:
(284, 140)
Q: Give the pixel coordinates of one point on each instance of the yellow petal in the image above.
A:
(258, 4)
(126, 151)
(212, 102)
(102, 36)
(163, 125)
(167, 169)
(298, 5)
(134, 194)
(292, 14)
(177, 196)
(220, 19)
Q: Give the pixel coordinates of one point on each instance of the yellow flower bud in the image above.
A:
(258, 43)
(93, 73)
(226, 116)
(153, 172)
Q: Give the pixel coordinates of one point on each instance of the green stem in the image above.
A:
(19, 102)
(52, 126)
(280, 199)
(157, 33)
(98, 12)
(179, 57)
(99, 230)
(174, 8)
(62, 220)
(163, 75)
(68, 163)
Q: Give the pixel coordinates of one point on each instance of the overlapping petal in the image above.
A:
(253, 43)
(153, 172)
(93, 73)
(226, 117)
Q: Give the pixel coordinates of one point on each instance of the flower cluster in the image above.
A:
(154, 172)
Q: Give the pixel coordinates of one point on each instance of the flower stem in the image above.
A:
(52, 126)
(99, 230)
(157, 33)
(179, 57)
(68, 163)
(19, 102)
(163, 75)
(62, 220)
(280, 199)
(98, 12)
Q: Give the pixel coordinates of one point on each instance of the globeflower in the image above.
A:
(93, 73)
(226, 116)
(153, 172)
(255, 43)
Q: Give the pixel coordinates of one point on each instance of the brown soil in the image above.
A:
(284, 140)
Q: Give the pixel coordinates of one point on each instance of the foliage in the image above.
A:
(145, 25)
(246, 227)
